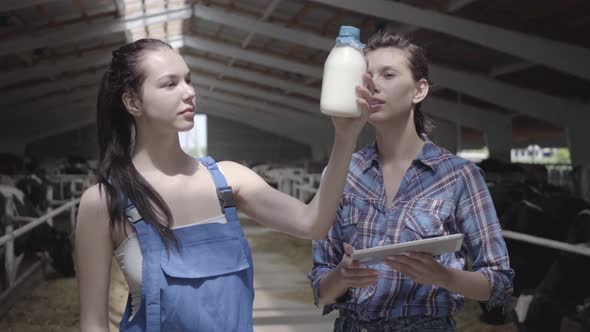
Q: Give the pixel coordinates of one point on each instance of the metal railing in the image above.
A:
(76, 183)
(11, 262)
(564, 246)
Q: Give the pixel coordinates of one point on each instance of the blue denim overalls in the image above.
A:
(207, 286)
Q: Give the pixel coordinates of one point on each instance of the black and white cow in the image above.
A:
(566, 286)
(43, 238)
(37, 189)
(525, 203)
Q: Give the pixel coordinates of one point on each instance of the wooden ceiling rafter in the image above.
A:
(297, 15)
(27, 59)
(20, 20)
(301, 13)
(218, 31)
(42, 10)
(60, 24)
(334, 19)
(81, 9)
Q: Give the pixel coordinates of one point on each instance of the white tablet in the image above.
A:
(433, 246)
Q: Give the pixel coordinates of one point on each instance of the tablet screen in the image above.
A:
(433, 246)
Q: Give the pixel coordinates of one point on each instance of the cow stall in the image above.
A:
(547, 231)
(38, 207)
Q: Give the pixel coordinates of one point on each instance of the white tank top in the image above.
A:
(130, 259)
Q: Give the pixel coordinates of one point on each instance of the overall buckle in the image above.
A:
(226, 198)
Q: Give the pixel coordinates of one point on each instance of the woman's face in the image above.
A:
(396, 91)
(167, 96)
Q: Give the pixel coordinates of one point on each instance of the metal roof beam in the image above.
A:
(67, 64)
(251, 76)
(532, 103)
(561, 56)
(75, 33)
(207, 45)
(7, 5)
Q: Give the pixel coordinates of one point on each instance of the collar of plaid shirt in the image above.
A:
(429, 155)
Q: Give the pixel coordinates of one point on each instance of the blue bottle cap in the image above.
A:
(350, 31)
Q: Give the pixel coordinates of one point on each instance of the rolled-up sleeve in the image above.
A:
(327, 253)
(476, 218)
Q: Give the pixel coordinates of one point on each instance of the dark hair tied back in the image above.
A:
(116, 173)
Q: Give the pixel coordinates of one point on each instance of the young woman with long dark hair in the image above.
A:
(171, 220)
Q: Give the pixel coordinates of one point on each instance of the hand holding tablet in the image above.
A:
(433, 246)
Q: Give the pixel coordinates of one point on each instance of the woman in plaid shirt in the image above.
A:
(403, 188)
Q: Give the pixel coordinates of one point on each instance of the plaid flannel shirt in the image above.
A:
(440, 194)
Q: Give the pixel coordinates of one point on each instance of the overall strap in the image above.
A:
(224, 191)
(151, 249)
(132, 213)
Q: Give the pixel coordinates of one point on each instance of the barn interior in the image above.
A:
(509, 91)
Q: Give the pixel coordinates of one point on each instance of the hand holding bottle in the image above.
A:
(364, 93)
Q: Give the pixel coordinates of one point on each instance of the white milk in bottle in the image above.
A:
(343, 71)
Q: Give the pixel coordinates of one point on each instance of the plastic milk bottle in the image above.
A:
(343, 71)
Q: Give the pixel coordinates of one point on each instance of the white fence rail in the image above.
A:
(581, 249)
(69, 188)
(11, 262)
(76, 183)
